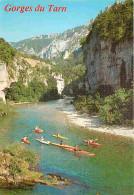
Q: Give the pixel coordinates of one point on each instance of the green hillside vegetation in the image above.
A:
(7, 53)
(115, 23)
(37, 44)
(71, 68)
(113, 109)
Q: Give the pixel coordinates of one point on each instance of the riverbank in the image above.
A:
(94, 123)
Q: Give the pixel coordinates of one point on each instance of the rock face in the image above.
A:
(55, 45)
(3, 80)
(108, 65)
(60, 82)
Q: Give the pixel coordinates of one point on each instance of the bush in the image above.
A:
(83, 40)
(20, 152)
(113, 109)
(115, 23)
(35, 91)
(117, 108)
(20, 159)
(88, 104)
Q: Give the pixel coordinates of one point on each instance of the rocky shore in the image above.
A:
(94, 123)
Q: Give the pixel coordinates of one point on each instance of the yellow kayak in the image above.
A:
(62, 146)
(60, 137)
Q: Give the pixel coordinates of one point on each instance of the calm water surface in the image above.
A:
(110, 172)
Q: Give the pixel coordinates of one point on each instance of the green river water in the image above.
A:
(110, 172)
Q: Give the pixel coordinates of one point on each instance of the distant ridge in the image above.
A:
(54, 45)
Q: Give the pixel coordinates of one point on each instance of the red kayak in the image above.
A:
(79, 151)
(38, 131)
(25, 141)
(92, 143)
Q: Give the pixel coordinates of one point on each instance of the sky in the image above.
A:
(16, 26)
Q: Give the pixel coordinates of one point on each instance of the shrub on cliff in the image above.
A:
(118, 107)
(83, 41)
(116, 22)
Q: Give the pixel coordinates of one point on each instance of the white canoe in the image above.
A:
(43, 142)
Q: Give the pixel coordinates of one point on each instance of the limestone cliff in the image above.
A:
(109, 66)
(3, 80)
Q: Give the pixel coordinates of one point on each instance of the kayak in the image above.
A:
(92, 143)
(38, 131)
(61, 146)
(60, 137)
(79, 151)
(43, 142)
(25, 141)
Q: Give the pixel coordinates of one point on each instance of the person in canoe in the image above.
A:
(37, 128)
(42, 138)
(76, 148)
(25, 138)
(58, 134)
(61, 142)
(90, 141)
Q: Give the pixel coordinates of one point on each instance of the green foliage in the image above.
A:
(20, 159)
(117, 107)
(71, 68)
(88, 104)
(115, 23)
(37, 44)
(19, 151)
(7, 53)
(35, 91)
(4, 108)
(83, 40)
(113, 109)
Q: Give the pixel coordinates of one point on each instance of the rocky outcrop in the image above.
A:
(28, 177)
(3, 80)
(109, 65)
(60, 82)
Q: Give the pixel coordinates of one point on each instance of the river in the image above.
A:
(110, 172)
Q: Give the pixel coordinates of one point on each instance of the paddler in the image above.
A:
(25, 138)
(76, 148)
(42, 138)
(37, 128)
(58, 134)
(90, 141)
(61, 142)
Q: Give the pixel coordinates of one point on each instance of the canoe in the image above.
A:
(92, 143)
(60, 137)
(38, 131)
(25, 141)
(43, 142)
(62, 146)
(80, 152)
